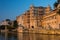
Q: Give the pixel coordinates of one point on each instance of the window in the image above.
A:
(28, 16)
(32, 26)
(28, 21)
(35, 12)
(55, 21)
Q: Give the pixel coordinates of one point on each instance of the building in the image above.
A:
(7, 23)
(30, 19)
(40, 17)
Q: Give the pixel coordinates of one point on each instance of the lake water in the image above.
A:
(26, 36)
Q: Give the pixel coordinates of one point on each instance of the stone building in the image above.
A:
(24, 19)
(51, 20)
(40, 17)
(31, 18)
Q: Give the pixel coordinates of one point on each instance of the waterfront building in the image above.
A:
(40, 17)
(31, 18)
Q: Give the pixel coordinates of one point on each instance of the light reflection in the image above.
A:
(27, 36)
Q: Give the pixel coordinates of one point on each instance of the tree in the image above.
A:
(55, 4)
(9, 22)
(7, 19)
(15, 24)
(58, 1)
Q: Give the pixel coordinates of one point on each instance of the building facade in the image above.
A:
(40, 17)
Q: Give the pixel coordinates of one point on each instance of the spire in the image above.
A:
(48, 7)
(32, 4)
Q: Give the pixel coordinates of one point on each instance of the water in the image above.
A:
(26, 36)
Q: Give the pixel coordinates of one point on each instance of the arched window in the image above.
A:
(32, 26)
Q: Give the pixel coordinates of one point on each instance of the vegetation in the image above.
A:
(7, 19)
(2, 27)
(11, 25)
(55, 4)
(15, 24)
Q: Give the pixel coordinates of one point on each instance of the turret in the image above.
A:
(31, 6)
(48, 9)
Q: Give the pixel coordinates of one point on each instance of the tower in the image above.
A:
(31, 16)
(48, 9)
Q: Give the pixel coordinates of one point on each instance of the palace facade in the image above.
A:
(40, 17)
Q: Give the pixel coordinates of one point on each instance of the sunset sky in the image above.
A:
(9, 9)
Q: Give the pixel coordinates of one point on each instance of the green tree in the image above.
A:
(7, 19)
(15, 24)
(55, 4)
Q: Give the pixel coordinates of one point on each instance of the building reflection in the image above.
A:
(20, 36)
(27, 36)
(12, 36)
(6, 35)
(37, 37)
(9, 36)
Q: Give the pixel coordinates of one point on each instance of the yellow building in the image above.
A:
(40, 17)
(51, 20)
(31, 18)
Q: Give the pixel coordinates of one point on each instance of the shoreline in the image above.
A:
(40, 31)
(52, 32)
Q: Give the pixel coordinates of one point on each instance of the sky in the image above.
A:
(9, 9)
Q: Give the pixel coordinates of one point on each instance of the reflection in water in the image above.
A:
(26, 36)
(20, 36)
(8, 36)
(12, 36)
